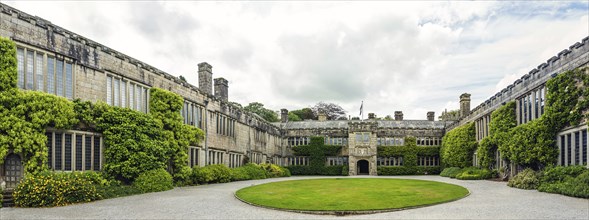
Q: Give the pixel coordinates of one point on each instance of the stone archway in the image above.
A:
(363, 167)
(13, 170)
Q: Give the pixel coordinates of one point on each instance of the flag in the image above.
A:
(361, 107)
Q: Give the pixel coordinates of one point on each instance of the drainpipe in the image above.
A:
(206, 132)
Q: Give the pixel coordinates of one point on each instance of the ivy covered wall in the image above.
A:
(458, 146)
(24, 115)
(317, 152)
(410, 153)
(134, 142)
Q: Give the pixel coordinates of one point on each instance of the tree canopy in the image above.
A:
(265, 113)
(333, 111)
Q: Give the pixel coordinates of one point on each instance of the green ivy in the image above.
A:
(410, 152)
(134, 143)
(8, 71)
(317, 151)
(458, 146)
(503, 120)
(165, 106)
(533, 144)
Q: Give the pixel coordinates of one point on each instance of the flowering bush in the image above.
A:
(56, 189)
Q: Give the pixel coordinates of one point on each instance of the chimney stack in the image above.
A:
(283, 115)
(398, 116)
(205, 78)
(221, 89)
(464, 105)
(431, 116)
(322, 116)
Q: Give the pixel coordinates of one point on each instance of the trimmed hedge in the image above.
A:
(56, 189)
(154, 181)
(216, 173)
(249, 171)
(451, 172)
(473, 173)
(324, 171)
(404, 170)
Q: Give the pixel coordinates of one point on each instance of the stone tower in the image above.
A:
(464, 105)
(221, 89)
(205, 78)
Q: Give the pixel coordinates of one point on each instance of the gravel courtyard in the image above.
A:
(488, 200)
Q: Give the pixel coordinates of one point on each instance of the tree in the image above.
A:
(293, 117)
(182, 78)
(388, 118)
(333, 111)
(305, 114)
(266, 114)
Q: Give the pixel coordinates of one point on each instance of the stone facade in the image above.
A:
(230, 131)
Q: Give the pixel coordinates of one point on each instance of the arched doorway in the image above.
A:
(362, 167)
(13, 170)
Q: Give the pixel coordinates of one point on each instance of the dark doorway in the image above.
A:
(363, 167)
(12, 170)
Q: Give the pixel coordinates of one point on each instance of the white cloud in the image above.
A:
(409, 56)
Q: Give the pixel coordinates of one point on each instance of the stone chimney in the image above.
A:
(221, 89)
(431, 116)
(371, 116)
(398, 116)
(283, 115)
(322, 116)
(205, 78)
(464, 105)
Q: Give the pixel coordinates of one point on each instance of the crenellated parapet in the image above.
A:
(577, 55)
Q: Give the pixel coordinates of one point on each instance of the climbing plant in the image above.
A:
(317, 152)
(24, 115)
(458, 146)
(165, 106)
(533, 144)
(503, 120)
(410, 153)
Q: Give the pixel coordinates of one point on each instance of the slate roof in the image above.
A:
(343, 124)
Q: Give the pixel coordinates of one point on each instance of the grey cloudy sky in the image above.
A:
(409, 56)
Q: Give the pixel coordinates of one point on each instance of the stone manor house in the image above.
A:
(60, 62)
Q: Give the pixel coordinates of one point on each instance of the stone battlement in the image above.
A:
(577, 55)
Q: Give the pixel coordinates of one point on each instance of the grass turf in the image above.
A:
(350, 194)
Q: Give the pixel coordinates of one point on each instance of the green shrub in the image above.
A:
(403, 170)
(560, 173)
(217, 173)
(183, 177)
(324, 171)
(117, 190)
(527, 179)
(55, 189)
(345, 170)
(451, 172)
(570, 181)
(273, 170)
(473, 173)
(154, 181)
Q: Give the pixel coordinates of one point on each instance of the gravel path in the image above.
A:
(488, 200)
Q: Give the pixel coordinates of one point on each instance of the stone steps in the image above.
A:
(7, 199)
